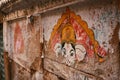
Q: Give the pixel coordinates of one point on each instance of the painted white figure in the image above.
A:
(80, 52)
(70, 51)
(57, 49)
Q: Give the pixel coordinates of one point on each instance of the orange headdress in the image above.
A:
(68, 34)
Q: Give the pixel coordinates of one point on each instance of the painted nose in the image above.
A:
(68, 62)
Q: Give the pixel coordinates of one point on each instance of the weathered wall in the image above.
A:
(22, 42)
(102, 19)
(28, 39)
(119, 31)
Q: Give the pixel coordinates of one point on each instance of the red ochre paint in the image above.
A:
(18, 40)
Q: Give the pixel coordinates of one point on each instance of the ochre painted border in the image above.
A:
(81, 22)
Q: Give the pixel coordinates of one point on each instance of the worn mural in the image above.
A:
(72, 39)
(18, 40)
(24, 38)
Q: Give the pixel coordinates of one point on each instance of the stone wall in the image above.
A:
(28, 42)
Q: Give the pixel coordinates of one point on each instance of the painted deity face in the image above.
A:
(68, 51)
(67, 47)
(71, 29)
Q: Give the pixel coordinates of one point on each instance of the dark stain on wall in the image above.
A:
(35, 66)
(115, 37)
(119, 53)
(60, 78)
(115, 43)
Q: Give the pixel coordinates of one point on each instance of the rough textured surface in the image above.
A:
(66, 72)
(27, 46)
(51, 76)
(22, 41)
(8, 7)
(34, 32)
(102, 19)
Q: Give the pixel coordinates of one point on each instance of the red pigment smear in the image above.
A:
(81, 38)
(18, 40)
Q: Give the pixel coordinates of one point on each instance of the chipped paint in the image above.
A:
(18, 40)
(100, 19)
(71, 31)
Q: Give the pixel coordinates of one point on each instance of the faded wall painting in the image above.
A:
(18, 40)
(24, 41)
(72, 39)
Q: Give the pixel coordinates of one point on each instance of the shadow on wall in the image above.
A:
(93, 4)
(119, 51)
(116, 42)
(119, 58)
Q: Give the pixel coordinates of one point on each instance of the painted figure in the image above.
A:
(72, 38)
(68, 47)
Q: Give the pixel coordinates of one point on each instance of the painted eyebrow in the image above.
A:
(64, 49)
(71, 50)
(73, 46)
(63, 44)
